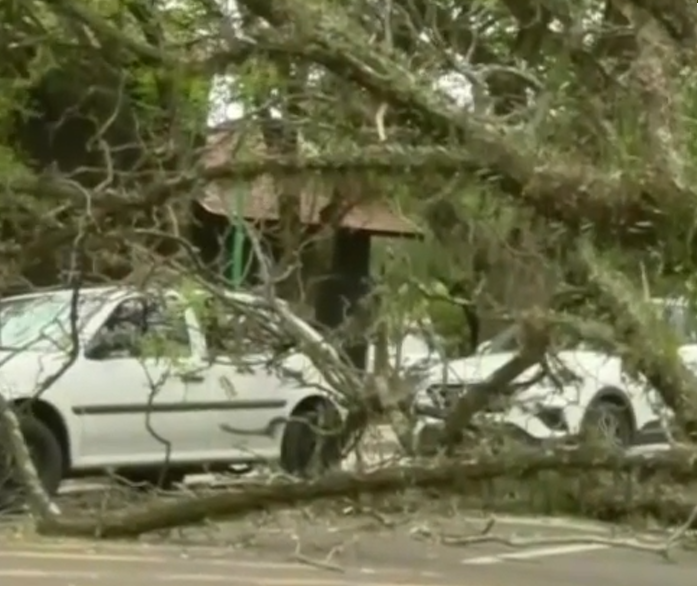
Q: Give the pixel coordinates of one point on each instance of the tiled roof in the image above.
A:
(259, 199)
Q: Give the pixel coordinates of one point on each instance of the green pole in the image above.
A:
(238, 240)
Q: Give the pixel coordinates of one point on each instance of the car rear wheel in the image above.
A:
(47, 456)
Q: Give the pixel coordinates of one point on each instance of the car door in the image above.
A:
(245, 398)
(140, 400)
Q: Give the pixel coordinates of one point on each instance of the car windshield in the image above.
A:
(680, 317)
(40, 323)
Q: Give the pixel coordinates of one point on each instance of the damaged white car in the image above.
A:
(596, 394)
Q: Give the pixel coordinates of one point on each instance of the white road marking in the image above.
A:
(197, 577)
(535, 553)
(187, 577)
(209, 569)
(266, 580)
(555, 523)
(119, 558)
(29, 573)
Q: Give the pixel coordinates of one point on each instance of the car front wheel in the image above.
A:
(309, 445)
(608, 423)
(47, 456)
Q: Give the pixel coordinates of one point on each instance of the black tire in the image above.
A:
(608, 423)
(302, 435)
(48, 459)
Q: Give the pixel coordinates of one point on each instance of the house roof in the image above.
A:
(259, 199)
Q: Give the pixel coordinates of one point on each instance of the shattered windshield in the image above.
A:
(40, 323)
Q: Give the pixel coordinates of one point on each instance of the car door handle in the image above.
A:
(191, 377)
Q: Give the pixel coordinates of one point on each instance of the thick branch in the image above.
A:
(621, 209)
(453, 476)
(573, 193)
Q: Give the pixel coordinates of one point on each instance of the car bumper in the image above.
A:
(517, 425)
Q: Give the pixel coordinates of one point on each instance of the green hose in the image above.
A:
(239, 269)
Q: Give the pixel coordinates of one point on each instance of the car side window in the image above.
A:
(165, 320)
(229, 333)
(121, 333)
(140, 327)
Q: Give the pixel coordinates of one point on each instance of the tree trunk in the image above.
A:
(453, 476)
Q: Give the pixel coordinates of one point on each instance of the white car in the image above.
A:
(139, 413)
(604, 399)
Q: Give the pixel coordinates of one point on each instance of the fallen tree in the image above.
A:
(541, 143)
(452, 476)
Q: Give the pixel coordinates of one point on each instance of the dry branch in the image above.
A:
(453, 476)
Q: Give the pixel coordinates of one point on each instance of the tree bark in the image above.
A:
(453, 476)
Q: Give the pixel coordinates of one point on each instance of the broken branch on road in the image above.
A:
(450, 476)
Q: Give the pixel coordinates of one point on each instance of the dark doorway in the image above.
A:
(345, 286)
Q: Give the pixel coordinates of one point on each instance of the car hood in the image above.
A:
(23, 374)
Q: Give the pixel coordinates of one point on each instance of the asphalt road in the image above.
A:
(381, 559)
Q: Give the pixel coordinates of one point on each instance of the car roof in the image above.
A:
(66, 293)
(119, 291)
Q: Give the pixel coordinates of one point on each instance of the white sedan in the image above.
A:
(119, 402)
